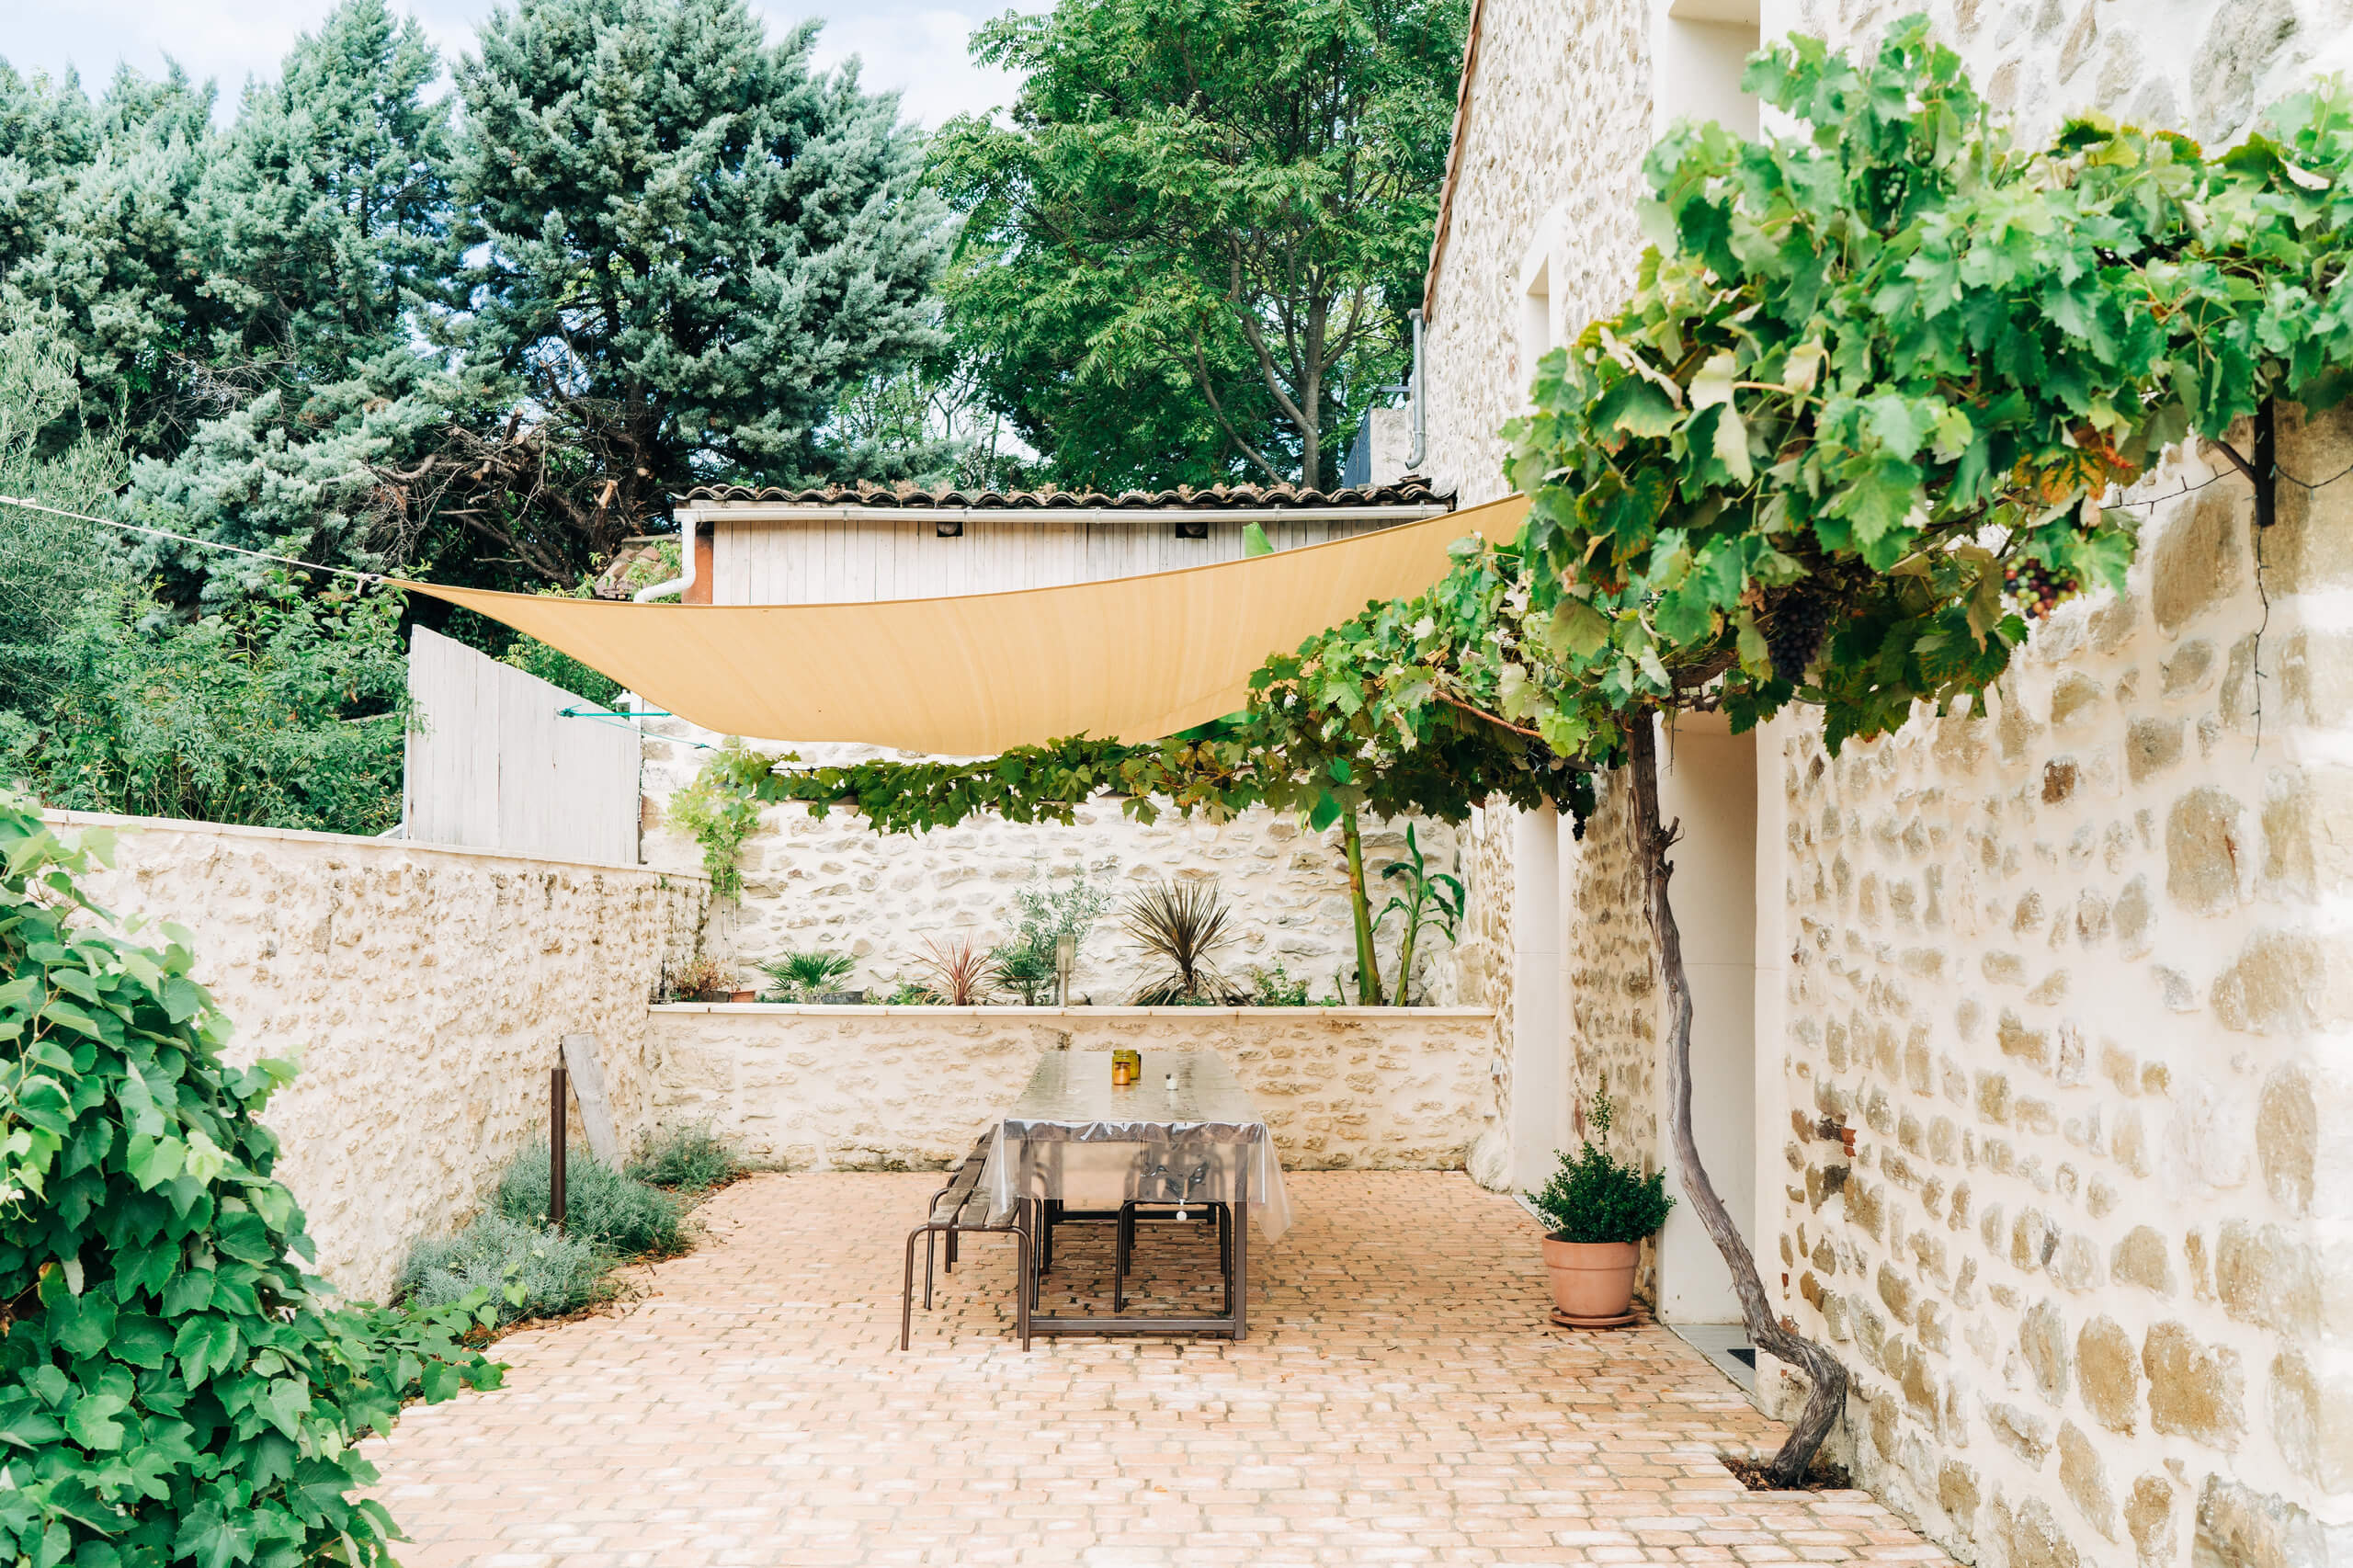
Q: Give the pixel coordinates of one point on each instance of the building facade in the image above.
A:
(2022, 1040)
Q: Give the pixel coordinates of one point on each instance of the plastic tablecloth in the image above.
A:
(1184, 1131)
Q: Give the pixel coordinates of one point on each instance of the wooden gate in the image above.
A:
(492, 762)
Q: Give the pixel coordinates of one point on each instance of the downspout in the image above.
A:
(1421, 426)
(679, 584)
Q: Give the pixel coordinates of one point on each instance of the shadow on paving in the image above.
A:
(1400, 1399)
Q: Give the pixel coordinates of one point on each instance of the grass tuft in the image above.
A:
(693, 1159)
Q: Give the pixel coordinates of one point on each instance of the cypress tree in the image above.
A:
(688, 242)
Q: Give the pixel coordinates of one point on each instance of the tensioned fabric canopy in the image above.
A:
(972, 675)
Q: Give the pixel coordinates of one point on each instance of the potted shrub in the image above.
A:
(1599, 1210)
(705, 980)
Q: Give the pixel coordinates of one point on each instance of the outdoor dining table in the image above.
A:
(1182, 1134)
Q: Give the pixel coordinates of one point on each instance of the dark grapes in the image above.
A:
(1793, 635)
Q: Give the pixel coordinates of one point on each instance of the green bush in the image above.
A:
(1593, 1197)
(600, 1205)
(529, 1270)
(693, 1158)
(174, 1388)
(279, 710)
(805, 976)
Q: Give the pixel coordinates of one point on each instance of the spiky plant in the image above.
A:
(1183, 925)
(959, 969)
(803, 977)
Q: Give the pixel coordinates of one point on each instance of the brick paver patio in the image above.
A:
(1400, 1399)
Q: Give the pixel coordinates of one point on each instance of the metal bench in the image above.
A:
(961, 1209)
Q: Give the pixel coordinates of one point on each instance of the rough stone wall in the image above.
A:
(424, 992)
(2074, 977)
(835, 884)
(2205, 67)
(908, 1087)
(1558, 123)
(1613, 997)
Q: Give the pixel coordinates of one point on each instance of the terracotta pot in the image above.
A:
(1592, 1281)
(743, 996)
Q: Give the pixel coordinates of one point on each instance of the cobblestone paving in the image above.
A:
(1400, 1400)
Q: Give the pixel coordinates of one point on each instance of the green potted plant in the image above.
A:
(1599, 1210)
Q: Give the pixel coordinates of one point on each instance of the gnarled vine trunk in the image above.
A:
(1825, 1378)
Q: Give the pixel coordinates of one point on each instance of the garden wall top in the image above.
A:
(870, 1010)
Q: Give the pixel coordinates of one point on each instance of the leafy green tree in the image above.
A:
(281, 710)
(49, 566)
(689, 243)
(1212, 215)
(326, 214)
(96, 241)
(175, 1388)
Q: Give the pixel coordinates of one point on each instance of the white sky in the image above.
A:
(914, 46)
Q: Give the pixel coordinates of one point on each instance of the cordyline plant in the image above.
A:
(174, 1388)
(1868, 367)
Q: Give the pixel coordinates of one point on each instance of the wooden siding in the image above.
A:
(885, 558)
(493, 765)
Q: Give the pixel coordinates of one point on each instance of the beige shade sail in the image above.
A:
(972, 675)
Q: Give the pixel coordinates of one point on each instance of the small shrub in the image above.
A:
(908, 993)
(693, 1158)
(702, 979)
(1024, 969)
(600, 1205)
(1593, 1197)
(1274, 987)
(959, 972)
(803, 977)
(529, 1270)
(1182, 925)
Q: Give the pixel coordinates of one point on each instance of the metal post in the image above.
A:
(558, 1093)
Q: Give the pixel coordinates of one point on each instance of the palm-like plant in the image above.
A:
(959, 969)
(1429, 899)
(799, 977)
(1182, 924)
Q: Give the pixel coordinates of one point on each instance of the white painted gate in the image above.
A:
(492, 763)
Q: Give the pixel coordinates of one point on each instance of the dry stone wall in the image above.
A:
(2205, 67)
(2073, 976)
(423, 993)
(834, 884)
(830, 1089)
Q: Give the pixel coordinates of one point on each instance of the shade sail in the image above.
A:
(969, 676)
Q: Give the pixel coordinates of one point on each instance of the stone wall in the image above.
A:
(2071, 975)
(2204, 67)
(827, 1088)
(424, 992)
(835, 884)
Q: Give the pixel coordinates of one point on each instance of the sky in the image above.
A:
(914, 46)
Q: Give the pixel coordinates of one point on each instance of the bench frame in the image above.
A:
(961, 1209)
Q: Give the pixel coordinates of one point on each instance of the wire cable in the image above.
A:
(363, 578)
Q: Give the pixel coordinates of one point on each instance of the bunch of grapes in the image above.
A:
(1793, 635)
(2038, 589)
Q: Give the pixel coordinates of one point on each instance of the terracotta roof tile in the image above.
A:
(1413, 490)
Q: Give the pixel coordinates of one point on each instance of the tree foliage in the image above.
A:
(1191, 250)
(687, 241)
(1875, 362)
(175, 1387)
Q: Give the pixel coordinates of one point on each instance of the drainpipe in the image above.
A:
(1421, 428)
(679, 584)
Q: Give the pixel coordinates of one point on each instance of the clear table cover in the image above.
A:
(1184, 1131)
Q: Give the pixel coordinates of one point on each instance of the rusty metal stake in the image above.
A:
(558, 1093)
